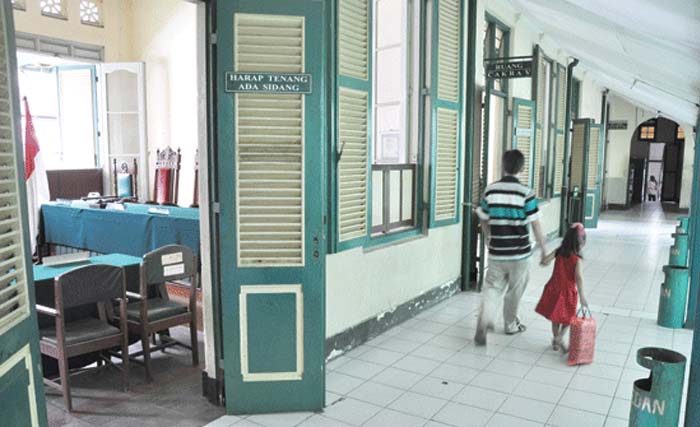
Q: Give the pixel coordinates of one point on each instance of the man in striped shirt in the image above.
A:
(506, 212)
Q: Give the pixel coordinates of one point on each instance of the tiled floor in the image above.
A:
(427, 372)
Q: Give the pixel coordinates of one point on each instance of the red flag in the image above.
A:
(31, 145)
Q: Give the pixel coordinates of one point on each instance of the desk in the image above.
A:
(133, 231)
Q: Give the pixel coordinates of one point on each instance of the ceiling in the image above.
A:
(647, 51)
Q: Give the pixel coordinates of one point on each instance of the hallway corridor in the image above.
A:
(427, 371)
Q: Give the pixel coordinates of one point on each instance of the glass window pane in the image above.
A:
(395, 196)
(377, 198)
(407, 191)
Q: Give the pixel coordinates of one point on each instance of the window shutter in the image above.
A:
(269, 144)
(539, 94)
(594, 157)
(579, 144)
(524, 135)
(14, 297)
(354, 97)
(560, 132)
(446, 111)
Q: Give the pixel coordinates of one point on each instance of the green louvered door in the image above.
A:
(21, 390)
(271, 189)
(539, 164)
(524, 136)
(594, 173)
(580, 137)
(560, 131)
(446, 102)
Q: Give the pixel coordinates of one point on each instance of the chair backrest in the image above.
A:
(167, 179)
(171, 262)
(90, 284)
(124, 176)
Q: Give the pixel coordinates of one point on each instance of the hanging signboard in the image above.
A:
(267, 83)
(509, 68)
(617, 124)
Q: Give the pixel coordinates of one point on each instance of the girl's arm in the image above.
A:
(549, 257)
(579, 283)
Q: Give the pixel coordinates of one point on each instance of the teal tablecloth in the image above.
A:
(133, 231)
(43, 272)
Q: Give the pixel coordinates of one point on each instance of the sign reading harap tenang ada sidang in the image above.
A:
(267, 83)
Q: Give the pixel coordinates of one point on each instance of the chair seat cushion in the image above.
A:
(81, 331)
(157, 309)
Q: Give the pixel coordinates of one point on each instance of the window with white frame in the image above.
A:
(396, 56)
(19, 4)
(91, 12)
(53, 8)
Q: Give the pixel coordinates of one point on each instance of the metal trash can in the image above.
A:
(682, 226)
(678, 255)
(673, 297)
(656, 401)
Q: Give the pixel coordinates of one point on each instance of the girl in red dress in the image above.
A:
(565, 288)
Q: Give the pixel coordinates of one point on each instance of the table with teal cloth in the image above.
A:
(132, 231)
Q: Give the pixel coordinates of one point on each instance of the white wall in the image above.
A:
(364, 283)
(114, 36)
(164, 34)
(688, 159)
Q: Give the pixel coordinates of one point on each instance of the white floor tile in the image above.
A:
(376, 394)
(470, 360)
(568, 417)
(381, 356)
(321, 421)
(458, 415)
(502, 420)
(432, 352)
(455, 374)
(415, 364)
(586, 401)
(225, 421)
(496, 382)
(418, 405)
(550, 376)
(481, 398)
(616, 422)
(397, 378)
(351, 411)
(533, 410)
(389, 418)
(398, 345)
(279, 420)
(360, 369)
(539, 391)
(437, 387)
(620, 408)
(513, 369)
(341, 383)
(593, 385)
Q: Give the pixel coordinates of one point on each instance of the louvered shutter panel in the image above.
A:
(539, 93)
(593, 158)
(14, 297)
(446, 110)
(478, 154)
(560, 133)
(524, 135)
(269, 144)
(354, 98)
(578, 154)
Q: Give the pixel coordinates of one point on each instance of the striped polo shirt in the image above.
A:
(509, 207)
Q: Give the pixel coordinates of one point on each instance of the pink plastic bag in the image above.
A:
(582, 339)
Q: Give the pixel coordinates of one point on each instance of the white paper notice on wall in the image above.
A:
(171, 270)
(173, 258)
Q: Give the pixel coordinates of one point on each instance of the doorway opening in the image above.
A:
(656, 163)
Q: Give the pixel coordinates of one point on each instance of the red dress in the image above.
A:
(560, 297)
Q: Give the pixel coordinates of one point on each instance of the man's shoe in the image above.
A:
(518, 329)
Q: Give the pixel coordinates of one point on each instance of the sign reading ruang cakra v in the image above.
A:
(508, 68)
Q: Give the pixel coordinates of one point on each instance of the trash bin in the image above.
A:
(678, 255)
(673, 298)
(656, 401)
(682, 226)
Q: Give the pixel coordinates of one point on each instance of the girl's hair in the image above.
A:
(573, 241)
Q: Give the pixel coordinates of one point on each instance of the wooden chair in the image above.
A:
(97, 284)
(155, 313)
(125, 179)
(167, 177)
(195, 195)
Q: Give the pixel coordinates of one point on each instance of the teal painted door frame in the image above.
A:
(22, 400)
(692, 411)
(273, 309)
(593, 195)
